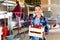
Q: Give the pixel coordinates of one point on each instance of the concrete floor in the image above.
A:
(50, 36)
(53, 36)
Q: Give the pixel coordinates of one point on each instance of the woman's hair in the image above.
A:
(37, 6)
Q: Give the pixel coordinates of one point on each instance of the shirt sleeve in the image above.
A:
(46, 26)
(31, 22)
(46, 22)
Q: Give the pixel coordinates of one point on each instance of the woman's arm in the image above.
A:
(46, 26)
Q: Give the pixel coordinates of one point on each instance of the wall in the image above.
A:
(55, 10)
(3, 8)
(43, 2)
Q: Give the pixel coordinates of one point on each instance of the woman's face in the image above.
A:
(37, 10)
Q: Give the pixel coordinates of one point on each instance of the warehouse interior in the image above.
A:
(50, 10)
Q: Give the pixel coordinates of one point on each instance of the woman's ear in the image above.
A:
(42, 14)
(41, 10)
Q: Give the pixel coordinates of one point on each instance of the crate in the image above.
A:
(36, 32)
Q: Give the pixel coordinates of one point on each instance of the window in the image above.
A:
(32, 2)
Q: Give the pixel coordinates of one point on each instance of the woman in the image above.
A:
(39, 20)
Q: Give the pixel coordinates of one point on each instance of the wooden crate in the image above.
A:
(36, 32)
